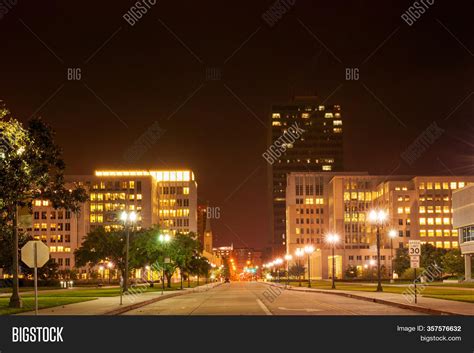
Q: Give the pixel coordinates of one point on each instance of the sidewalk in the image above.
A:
(111, 305)
(429, 306)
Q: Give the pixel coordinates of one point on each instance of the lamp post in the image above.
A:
(127, 218)
(288, 258)
(278, 263)
(392, 234)
(378, 218)
(309, 249)
(163, 239)
(333, 239)
(299, 254)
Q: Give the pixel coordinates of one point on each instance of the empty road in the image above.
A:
(252, 298)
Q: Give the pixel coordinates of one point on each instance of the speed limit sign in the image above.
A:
(414, 248)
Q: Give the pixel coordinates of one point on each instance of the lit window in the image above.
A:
(438, 220)
(52, 249)
(337, 130)
(446, 220)
(422, 232)
(276, 123)
(422, 221)
(422, 186)
(446, 209)
(445, 186)
(400, 211)
(430, 232)
(437, 186)
(439, 244)
(305, 115)
(186, 191)
(276, 116)
(446, 232)
(447, 245)
(454, 232)
(407, 210)
(429, 186)
(439, 233)
(328, 115)
(337, 122)
(37, 202)
(93, 197)
(67, 249)
(461, 184)
(321, 108)
(422, 209)
(453, 185)
(327, 167)
(455, 244)
(430, 221)
(45, 202)
(60, 248)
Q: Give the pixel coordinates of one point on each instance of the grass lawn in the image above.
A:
(43, 302)
(448, 293)
(25, 289)
(57, 297)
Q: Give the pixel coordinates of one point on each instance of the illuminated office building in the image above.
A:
(321, 203)
(318, 149)
(463, 221)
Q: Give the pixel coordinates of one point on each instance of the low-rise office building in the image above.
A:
(318, 204)
(463, 221)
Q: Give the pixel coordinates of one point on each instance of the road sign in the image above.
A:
(35, 254)
(414, 248)
(28, 253)
(414, 261)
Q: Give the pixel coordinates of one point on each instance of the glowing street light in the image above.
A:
(392, 233)
(333, 239)
(127, 218)
(288, 258)
(299, 253)
(309, 249)
(378, 217)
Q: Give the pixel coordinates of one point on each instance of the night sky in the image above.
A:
(132, 76)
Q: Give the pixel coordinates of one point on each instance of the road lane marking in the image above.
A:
(264, 308)
(303, 309)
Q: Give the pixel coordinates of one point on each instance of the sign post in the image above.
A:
(35, 254)
(414, 250)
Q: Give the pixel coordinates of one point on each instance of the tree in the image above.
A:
(6, 246)
(99, 245)
(351, 271)
(431, 256)
(183, 248)
(402, 261)
(297, 270)
(32, 168)
(453, 262)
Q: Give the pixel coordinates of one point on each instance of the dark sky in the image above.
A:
(132, 76)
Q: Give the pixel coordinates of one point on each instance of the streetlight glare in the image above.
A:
(309, 249)
(288, 257)
(392, 233)
(123, 216)
(332, 238)
(299, 252)
(132, 216)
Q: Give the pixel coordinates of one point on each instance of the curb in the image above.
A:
(124, 309)
(374, 300)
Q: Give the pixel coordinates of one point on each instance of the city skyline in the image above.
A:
(211, 91)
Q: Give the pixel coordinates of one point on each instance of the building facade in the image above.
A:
(164, 198)
(463, 221)
(318, 204)
(318, 149)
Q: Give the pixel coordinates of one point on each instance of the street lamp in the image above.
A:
(278, 263)
(309, 249)
(299, 254)
(378, 218)
(392, 234)
(163, 239)
(333, 239)
(127, 218)
(288, 258)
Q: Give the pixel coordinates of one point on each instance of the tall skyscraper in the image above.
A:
(318, 147)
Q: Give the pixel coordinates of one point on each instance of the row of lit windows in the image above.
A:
(99, 218)
(53, 226)
(99, 207)
(403, 198)
(402, 210)
(114, 196)
(354, 217)
(41, 203)
(118, 184)
(437, 220)
(435, 198)
(444, 185)
(359, 196)
(435, 209)
(440, 244)
(308, 230)
(438, 232)
(59, 249)
(181, 212)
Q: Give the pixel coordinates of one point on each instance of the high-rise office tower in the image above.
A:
(305, 136)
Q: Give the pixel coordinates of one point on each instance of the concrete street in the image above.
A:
(252, 298)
